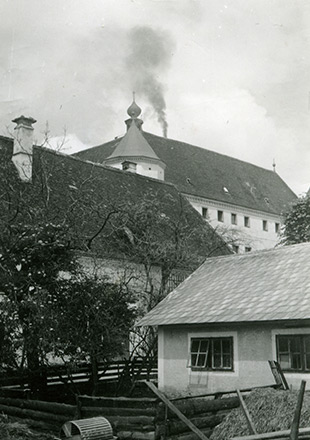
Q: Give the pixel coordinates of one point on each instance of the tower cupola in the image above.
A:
(134, 111)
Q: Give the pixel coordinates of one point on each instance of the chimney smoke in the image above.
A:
(150, 54)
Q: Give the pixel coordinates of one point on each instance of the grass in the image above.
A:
(10, 430)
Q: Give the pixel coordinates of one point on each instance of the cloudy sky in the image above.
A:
(232, 76)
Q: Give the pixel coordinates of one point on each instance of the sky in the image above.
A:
(232, 76)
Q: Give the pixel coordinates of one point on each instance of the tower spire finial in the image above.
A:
(274, 165)
(134, 96)
(134, 110)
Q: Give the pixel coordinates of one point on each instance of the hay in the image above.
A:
(19, 431)
(271, 410)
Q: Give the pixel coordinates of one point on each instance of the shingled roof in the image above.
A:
(85, 193)
(204, 173)
(272, 285)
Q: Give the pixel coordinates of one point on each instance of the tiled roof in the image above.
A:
(205, 173)
(85, 193)
(261, 286)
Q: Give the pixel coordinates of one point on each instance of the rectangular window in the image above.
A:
(247, 249)
(277, 228)
(205, 212)
(265, 225)
(211, 353)
(220, 216)
(246, 221)
(235, 248)
(233, 219)
(293, 352)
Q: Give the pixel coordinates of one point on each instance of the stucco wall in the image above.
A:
(253, 347)
(253, 236)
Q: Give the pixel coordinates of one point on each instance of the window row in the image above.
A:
(293, 353)
(234, 220)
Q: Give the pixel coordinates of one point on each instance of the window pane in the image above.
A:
(307, 344)
(201, 360)
(226, 345)
(217, 349)
(195, 345)
(204, 346)
(295, 345)
(284, 360)
(307, 361)
(227, 361)
(217, 361)
(296, 361)
(283, 345)
(193, 360)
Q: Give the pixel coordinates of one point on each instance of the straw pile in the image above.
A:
(270, 410)
(19, 431)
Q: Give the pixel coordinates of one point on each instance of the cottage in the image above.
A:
(218, 329)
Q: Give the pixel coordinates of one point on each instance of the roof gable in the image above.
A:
(204, 173)
(261, 286)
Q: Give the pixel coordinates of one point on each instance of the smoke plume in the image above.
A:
(150, 54)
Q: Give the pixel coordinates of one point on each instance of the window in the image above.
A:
(265, 225)
(211, 353)
(235, 248)
(220, 216)
(247, 249)
(246, 221)
(293, 352)
(205, 212)
(233, 219)
(277, 228)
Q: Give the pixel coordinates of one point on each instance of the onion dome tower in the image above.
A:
(133, 153)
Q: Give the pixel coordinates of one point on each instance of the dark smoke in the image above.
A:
(150, 54)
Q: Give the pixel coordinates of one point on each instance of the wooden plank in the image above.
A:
(175, 410)
(247, 414)
(296, 419)
(272, 435)
(278, 374)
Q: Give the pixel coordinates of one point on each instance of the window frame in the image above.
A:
(246, 221)
(210, 342)
(301, 337)
(220, 216)
(234, 218)
(265, 225)
(204, 212)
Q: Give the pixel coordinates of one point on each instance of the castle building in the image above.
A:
(242, 201)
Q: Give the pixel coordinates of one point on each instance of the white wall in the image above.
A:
(253, 347)
(253, 236)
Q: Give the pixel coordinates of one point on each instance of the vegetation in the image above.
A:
(297, 222)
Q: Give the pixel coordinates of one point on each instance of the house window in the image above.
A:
(220, 216)
(277, 228)
(293, 352)
(233, 219)
(265, 225)
(211, 353)
(235, 248)
(247, 249)
(205, 212)
(246, 221)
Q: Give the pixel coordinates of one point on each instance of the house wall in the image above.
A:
(253, 237)
(253, 347)
(147, 169)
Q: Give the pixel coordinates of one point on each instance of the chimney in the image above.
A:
(131, 167)
(23, 145)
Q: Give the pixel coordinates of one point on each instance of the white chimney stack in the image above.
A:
(23, 146)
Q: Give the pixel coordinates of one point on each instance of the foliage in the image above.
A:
(297, 222)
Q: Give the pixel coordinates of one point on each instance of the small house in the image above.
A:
(219, 328)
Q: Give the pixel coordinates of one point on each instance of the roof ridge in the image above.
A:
(211, 151)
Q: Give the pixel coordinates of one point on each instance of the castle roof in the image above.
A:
(204, 173)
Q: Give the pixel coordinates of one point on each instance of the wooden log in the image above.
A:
(120, 402)
(177, 427)
(247, 414)
(105, 410)
(136, 435)
(53, 407)
(201, 406)
(272, 435)
(296, 419)
(31, 414)
(176, 411)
